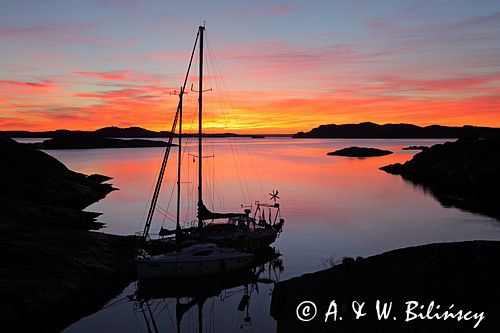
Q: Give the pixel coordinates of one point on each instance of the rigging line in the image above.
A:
(169, 200)
(187, 140)
(169, 313)
(216, 66)
(221, 102)
(251, 157)
(224, 182)
(184, 153)
(209, 43)
(168, 215)
(152, 178)
(152, 182)
(210, 145)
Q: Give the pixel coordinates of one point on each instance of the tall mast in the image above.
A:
(179, 159)
(201, 29)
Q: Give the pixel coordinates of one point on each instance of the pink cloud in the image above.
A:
(45, 29)
(111, 76)
(280, 10)
(281, 58)
(455, 83)
(124, 75)
(43, 84)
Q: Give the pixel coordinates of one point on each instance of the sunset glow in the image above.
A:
(274, 67)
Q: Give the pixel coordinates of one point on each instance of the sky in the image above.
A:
(273, 66)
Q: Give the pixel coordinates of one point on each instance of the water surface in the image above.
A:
(334, 207)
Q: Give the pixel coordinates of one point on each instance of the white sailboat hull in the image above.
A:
(185, 264)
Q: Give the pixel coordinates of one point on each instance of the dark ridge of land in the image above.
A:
(128, 132)
(463, 174)
(82, 140)
(35, 177)
(465, 274)
(360, 152)
(369, 130)
(415, 148)
(53, 271)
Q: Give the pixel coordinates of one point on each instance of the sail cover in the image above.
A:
(205, 214)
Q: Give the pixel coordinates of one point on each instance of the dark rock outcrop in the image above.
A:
(33, 176)
(395, 168)
(463, 174)
(393, 131)
(82, 140)
(465, 274)
(52, 270)
(51, 277)
(360, 152)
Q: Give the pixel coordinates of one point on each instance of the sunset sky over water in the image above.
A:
(285, 66)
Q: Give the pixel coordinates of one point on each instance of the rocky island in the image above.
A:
(415, 148)
(360, 152)
(82, 140)
(464, 174)
(464, 274)
(368, 130)
(53, 270)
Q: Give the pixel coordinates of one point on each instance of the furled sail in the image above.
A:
(205, 214)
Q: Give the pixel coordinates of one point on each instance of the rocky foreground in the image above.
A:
(53, 270)
(463, 174)
(464, 274)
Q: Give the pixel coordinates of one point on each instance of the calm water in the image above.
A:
(333, 206)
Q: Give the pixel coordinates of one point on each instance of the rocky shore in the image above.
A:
(464, 274)
(53, 270)
(463, 174)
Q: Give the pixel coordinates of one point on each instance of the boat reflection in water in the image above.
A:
(151, 296)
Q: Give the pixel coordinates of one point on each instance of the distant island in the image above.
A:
(415, 148)
(369, 130)
(360, 152)
(84, 140)
(127, 132)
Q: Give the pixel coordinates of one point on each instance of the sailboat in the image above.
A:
(237, 238)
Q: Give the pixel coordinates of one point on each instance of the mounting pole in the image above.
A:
(201, 29)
